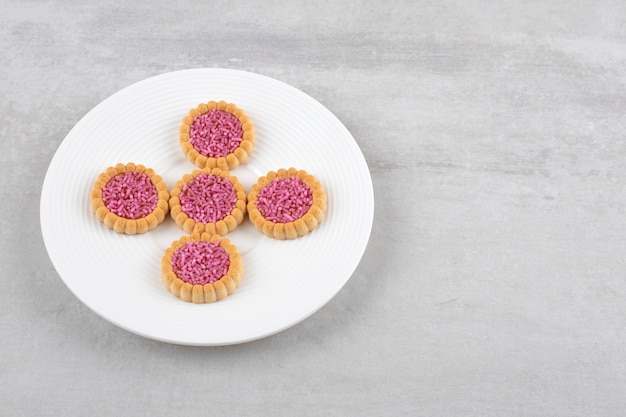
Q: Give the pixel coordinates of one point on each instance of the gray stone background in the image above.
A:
(493, 283)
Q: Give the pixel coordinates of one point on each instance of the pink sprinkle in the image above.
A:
(200, 262)
(285, 200)
(208, 198)
(130, 195)
(216, 133)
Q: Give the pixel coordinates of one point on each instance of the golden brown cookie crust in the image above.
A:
(233, 159)
(298, 228)
(221, 227)
(121, 224)
(207, 293)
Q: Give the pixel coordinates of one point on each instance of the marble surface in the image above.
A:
(494, 280)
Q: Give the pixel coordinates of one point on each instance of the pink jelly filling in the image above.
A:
(200, 262)
(130, 195)
(285, 200)
(208, 198)
(216, 133)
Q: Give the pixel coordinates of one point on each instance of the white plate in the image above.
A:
(118, 276)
